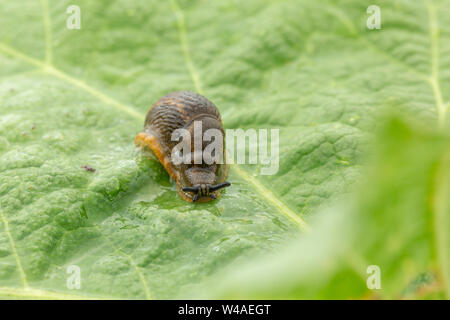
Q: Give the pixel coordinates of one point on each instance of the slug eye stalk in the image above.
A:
(190, 189)
(219, 186)
(205, 190)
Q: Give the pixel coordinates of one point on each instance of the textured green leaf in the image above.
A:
(70, 98)
(399, 220)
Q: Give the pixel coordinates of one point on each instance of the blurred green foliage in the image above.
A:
(398, 219)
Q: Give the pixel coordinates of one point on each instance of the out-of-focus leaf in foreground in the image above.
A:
(398, 221)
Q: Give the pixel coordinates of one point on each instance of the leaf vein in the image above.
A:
(23, 277)
(41, 294)
(48, 32)
(185, 45)
(133, 263)
(69, 79)
(434, 77)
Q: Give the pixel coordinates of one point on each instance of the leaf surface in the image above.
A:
(70, 98)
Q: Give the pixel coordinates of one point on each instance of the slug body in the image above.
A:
(180, 110)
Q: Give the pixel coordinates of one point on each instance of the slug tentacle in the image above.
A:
(190, 189)
(220, 186)
(206, 189)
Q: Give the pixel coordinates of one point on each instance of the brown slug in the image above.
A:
(179, 110)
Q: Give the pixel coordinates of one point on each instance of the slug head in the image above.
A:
(205, 190)
(202, 181)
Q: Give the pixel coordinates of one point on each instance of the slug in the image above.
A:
(179, 110)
